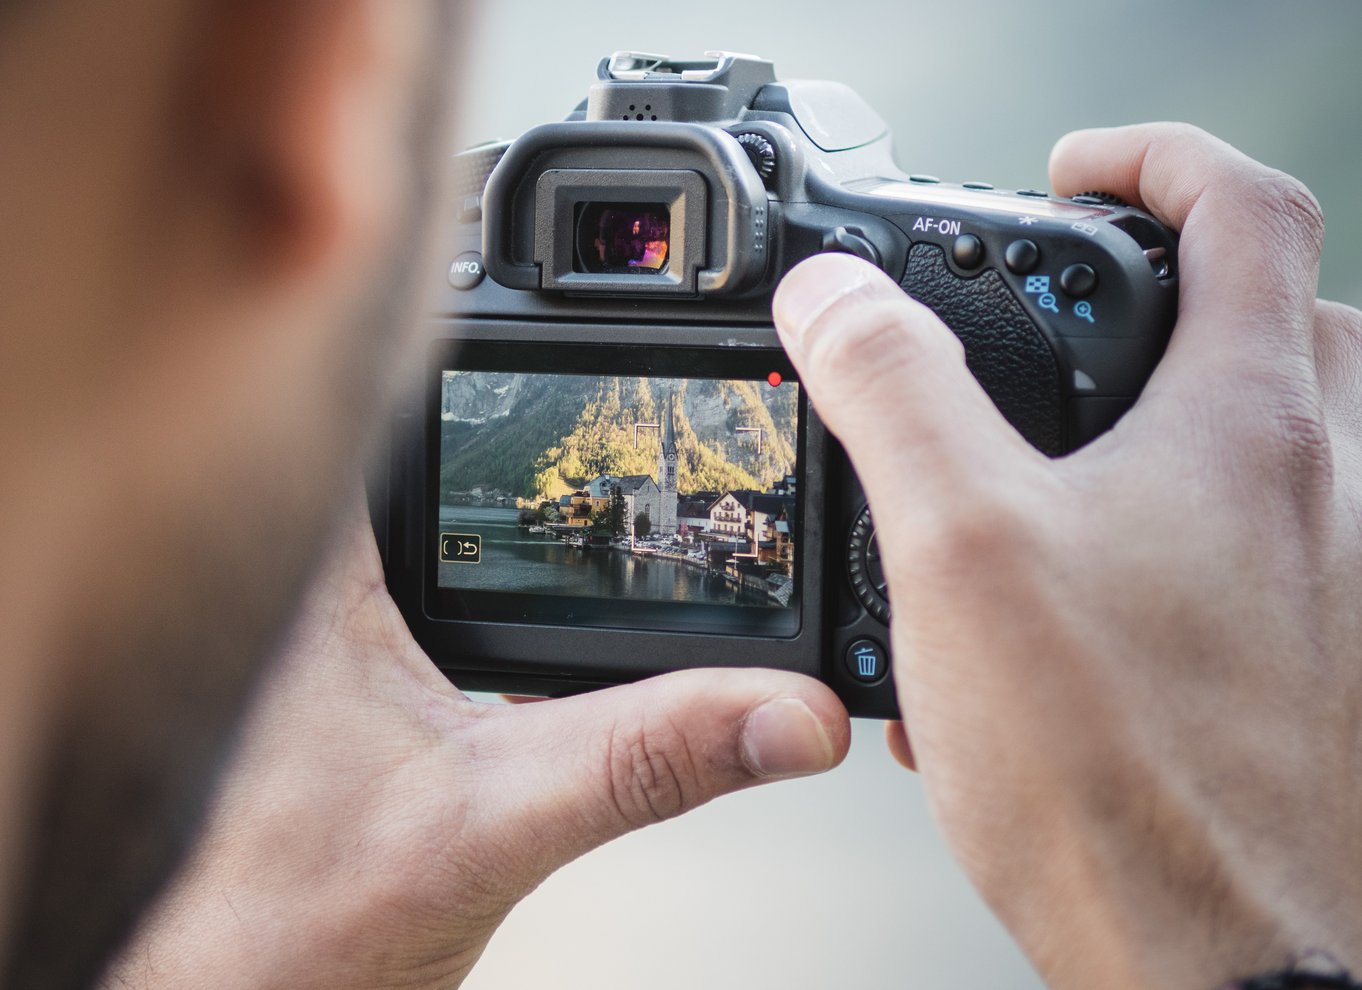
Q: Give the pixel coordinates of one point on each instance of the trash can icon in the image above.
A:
(867, 661)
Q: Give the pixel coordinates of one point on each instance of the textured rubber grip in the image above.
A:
(1005, 351)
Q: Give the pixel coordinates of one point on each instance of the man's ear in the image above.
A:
(294, 120)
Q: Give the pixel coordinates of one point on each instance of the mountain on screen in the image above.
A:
(541, 436)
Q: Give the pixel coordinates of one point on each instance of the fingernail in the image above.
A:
(783, 738)
(813, 287)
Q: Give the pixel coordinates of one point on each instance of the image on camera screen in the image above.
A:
(642, 489)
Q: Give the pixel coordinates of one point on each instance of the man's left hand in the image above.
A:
(377, 825)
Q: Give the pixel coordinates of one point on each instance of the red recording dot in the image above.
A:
(774, 378)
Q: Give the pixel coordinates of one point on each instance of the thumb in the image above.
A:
(889, 379)
(574, 773)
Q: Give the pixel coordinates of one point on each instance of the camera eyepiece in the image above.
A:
(623, 238)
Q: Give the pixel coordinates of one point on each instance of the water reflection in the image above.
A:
(514, 559)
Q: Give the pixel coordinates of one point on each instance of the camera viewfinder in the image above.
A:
(623, 238)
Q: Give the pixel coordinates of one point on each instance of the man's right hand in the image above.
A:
(1132, 677)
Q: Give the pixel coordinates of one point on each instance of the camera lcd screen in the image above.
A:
(660, 493)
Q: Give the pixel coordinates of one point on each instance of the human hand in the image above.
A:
(1132, 677)
(377, 826)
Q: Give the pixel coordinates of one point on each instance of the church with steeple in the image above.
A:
(667, 459)
(655, 499)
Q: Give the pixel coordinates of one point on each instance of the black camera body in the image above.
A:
(611, 471)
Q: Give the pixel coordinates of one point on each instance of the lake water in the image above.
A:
(514, 559)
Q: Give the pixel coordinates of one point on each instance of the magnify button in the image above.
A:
(1047, 301)
(1083, 311)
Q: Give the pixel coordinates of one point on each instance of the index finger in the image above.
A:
(1249, 256)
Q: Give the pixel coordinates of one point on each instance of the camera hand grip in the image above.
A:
(1005, 351)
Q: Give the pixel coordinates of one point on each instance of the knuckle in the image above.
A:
(1172, 166)
(1302, 436)
(651, 773)
(1288, 436)
(1180, 136)
(1338, 357)
(1338, 332)
(1289, 206)
(1183, 131)
(1171, 141)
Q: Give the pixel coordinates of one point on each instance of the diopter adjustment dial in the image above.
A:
(865, 569)
(761, 152)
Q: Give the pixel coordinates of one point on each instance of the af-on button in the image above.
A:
(968, 251)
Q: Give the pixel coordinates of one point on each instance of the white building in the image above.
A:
(728, 515)
(692, 511)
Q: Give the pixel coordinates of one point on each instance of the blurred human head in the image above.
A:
(213, 214)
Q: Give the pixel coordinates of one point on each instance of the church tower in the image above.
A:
(666, 471)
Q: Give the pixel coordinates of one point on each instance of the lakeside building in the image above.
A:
(692, 512)
(576, 509)
(764, 521)
(641, 495)
(733, 514)
(770, 528)
(728, 514)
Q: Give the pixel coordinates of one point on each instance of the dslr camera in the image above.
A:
(610, 469)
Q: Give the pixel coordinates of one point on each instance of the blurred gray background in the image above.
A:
(844, 881)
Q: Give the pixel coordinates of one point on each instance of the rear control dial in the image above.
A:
(865, 569)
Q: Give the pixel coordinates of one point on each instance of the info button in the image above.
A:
(467, 271)
(867, 661)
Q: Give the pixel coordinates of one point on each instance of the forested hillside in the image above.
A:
(540, 436)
